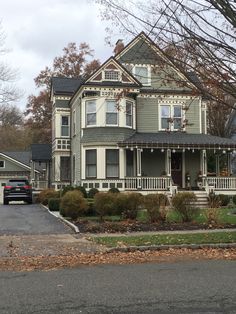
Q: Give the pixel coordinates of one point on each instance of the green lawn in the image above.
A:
(169, 239)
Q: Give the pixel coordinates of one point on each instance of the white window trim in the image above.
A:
(74, 122)
(65, 136)
(132, 114)
(85, 109)
(171, 115)
(91, 177)
(117, 113)
(149, 73)
(111, 70)
(4, 164)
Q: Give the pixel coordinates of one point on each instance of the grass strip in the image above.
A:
(168, 239)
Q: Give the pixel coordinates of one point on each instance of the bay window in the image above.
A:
(91, 163)
(112, 163)
(111, 112)
(91, 112)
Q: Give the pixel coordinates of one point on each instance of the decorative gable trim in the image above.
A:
(113, 71)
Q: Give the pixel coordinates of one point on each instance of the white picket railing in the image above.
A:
(220, 183)
(147, 183)
(40, 185)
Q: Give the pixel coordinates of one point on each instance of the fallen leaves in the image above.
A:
(27, 263)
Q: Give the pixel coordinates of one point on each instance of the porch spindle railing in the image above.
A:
(147, 183)
(221, 183)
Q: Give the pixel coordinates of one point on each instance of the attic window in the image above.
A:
(2, 164)
(111, 75)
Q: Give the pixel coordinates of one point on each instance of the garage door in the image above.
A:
(2, 182)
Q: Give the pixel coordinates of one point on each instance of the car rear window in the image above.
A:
(18, 183)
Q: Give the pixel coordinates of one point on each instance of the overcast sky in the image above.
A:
(37, 31)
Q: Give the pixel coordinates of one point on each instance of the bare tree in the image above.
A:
(8, 91)
(201, 34)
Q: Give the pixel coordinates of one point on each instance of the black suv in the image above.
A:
(17, 190)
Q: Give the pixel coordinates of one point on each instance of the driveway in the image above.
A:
(21, 219)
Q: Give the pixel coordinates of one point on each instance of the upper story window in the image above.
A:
(111, 112)
(142, 73)
(171, 117)
(91, 112)
(2, 164)
(65, 126)
(129, 113)
(111, 75)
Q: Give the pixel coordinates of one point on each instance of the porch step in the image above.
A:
(202, 198)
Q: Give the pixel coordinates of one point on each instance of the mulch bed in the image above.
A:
(135, 226)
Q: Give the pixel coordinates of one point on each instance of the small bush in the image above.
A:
(54, 204)
(104, 204)
(214, 201)
(73, 204)
(120, 203)
(44, 195)
(82, 190)
(114, 190)
(212, 216)
(67, 189)
(183, 204)
(134, 202)
(92, 192)
(224, 199)
(156, 207)
(91, 209)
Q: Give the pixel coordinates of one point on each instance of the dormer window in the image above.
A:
(111, 75)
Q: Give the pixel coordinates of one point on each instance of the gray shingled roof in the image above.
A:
(175, 139)
(41, 152)
(63, 85)
(105, 135)
(24, 156)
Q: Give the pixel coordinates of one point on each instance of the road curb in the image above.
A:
(70, 224)
(167, 247)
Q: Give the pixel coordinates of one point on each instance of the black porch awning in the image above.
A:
(177, 140)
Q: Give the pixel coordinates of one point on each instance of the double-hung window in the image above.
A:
(142, 74)
(129, 113)
(65, 126)
(171, 117)
(111, 112)
(91, 112)
(112, 163)
(91, 163)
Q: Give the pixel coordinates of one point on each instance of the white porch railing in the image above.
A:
(104, 184)
(40, 185)
(220, 183)
(147, 183)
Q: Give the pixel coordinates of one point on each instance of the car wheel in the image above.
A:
(5, 202)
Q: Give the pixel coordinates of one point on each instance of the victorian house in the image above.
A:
(137, 123)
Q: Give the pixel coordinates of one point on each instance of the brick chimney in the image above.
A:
(119, 46)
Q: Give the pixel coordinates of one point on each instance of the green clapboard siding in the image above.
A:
(153, 163)
(192, 165)
(147, 115)
(193, 116)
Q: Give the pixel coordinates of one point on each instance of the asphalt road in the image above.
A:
(23, 219)
(183, 287)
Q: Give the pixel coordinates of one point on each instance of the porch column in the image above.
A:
(168, 162)
(229, 163)
(122, 163)
(203, 163)
(139, 162)
(139, 168)
(217, 165)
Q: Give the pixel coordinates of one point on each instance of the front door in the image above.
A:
(176, 168)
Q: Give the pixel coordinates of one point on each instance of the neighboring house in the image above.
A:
(33, 164)
(137, 123)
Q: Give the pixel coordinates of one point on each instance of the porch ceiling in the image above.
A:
(178, 140)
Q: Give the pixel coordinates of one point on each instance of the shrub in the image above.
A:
(82, 190)
(234, 199)
(120, 203)
(133, 204)
(214, 201)
(114, 190)
(156, 206)
(91, 209)
(67, 189)
(212, 215)
(104, 204)
(224, 199)
(183, 204)
(44, 195)
(73, 204)
(92, 192)
(54, 204)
